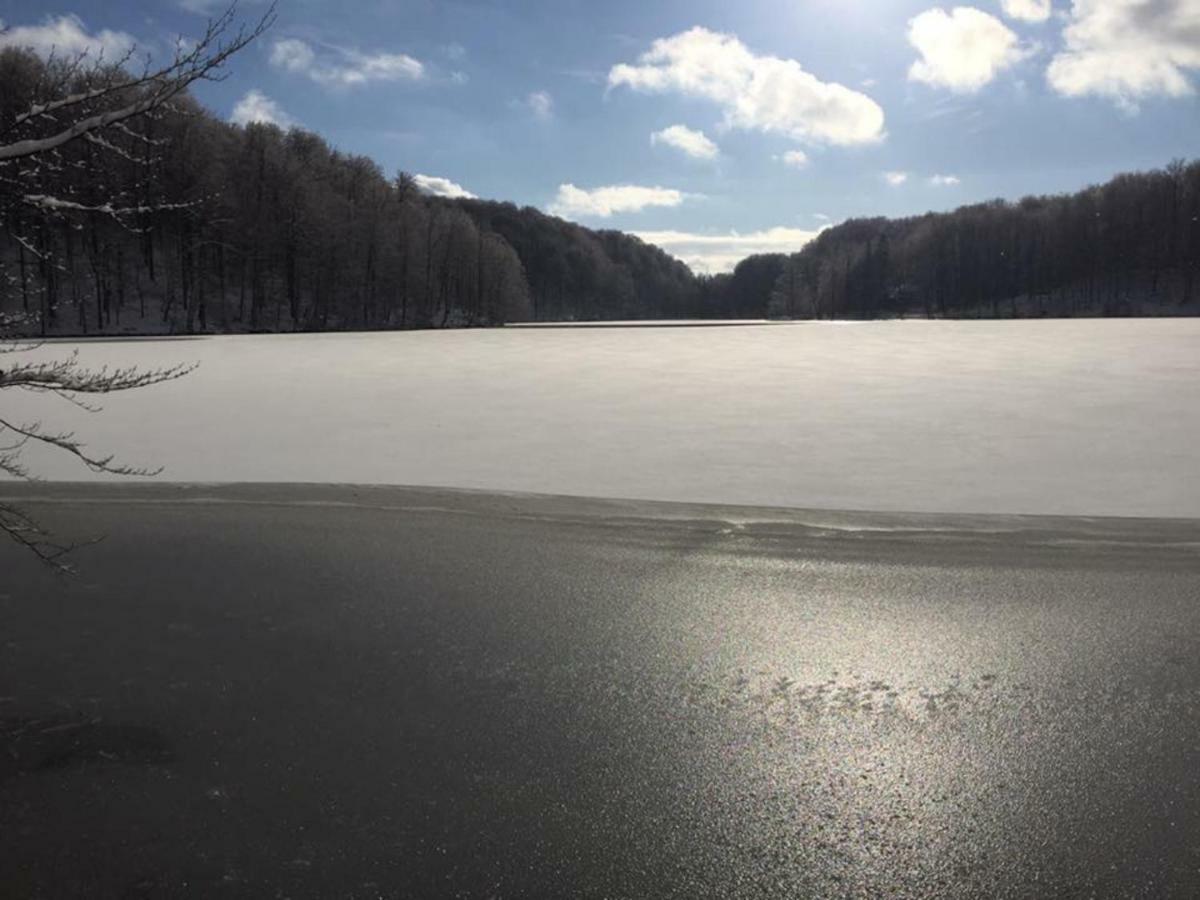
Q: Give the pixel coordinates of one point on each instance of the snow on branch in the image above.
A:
(66, 377)
(66, 441)
(99, 141)
(56, 204)
(201, 61)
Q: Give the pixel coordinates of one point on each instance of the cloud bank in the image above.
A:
(962, 50)
(66, 37)
(710, 254)
(343, 67)
(441, 187)
(602, 202)
(760, 93)
(695, 144)
(255, 106)
(1026, 10)
(1127, 50)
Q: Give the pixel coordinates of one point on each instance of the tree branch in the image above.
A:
(199, 63)
(28, 534)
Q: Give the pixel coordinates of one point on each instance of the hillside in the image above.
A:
(204, 226)
(1128, 247)
(223, 228)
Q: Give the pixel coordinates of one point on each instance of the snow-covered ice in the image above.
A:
(1094, 417)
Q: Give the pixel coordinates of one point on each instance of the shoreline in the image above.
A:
(740, 520)
(118, 336)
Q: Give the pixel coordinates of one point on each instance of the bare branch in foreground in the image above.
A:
(152, 89)
(66, 379)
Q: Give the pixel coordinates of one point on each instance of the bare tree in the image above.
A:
(99, 104)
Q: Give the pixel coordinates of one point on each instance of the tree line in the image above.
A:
(182, 222)
(163, 218)
(177, 221)
(1127, 247)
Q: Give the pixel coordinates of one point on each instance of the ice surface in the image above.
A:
(1062, 417)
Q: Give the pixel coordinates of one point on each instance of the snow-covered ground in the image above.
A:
(1061, 417)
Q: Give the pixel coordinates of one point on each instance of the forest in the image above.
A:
(1130, 247)
(174, 221)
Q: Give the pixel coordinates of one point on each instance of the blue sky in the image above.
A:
(713, 128)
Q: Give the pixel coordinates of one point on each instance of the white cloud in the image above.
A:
(441, 187)
(945, 180)
(603, 202)
(1128, 49)
(344, 67)
(796, 159)
(541, 104)
(256, 106)
(712, 253)
(292, 55)
(821, 217)
(962, 50)
(67, 37)
(695, 144)
(763, 93)
(895, 179)
(1026, 10)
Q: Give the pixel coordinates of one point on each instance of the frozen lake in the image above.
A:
(1057, 417)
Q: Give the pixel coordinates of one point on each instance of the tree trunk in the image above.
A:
(24, 278)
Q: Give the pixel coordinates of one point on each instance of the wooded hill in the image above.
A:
(1128, 247)
(176, 221)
